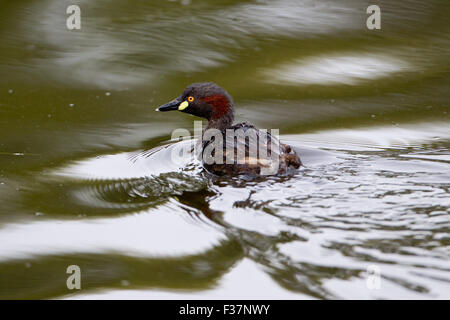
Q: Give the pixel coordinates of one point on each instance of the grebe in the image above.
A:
(208, 100)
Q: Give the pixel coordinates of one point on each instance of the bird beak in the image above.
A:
(172, 105)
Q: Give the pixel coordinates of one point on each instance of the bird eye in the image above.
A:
(190, 99)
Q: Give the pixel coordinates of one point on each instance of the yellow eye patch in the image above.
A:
(183, 105)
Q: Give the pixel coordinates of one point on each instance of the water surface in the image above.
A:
(87, 178)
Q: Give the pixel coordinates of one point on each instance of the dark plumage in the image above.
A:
(251, 151)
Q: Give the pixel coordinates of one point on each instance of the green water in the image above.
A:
(367, 110)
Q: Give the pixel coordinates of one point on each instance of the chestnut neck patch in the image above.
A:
(220, 104)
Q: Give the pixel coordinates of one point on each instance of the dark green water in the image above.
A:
(368, 111)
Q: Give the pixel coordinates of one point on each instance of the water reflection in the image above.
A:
(258, 286)
(346, 210)
(141, 32)
(140, 234)
(350, 70)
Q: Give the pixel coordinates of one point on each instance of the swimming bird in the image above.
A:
(229, 149)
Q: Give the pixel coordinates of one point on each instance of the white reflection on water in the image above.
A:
(128, 165)
(347, 69)
(253, 283)
(163, 232)
(154, 41)
(306, 17)
(377, 138)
